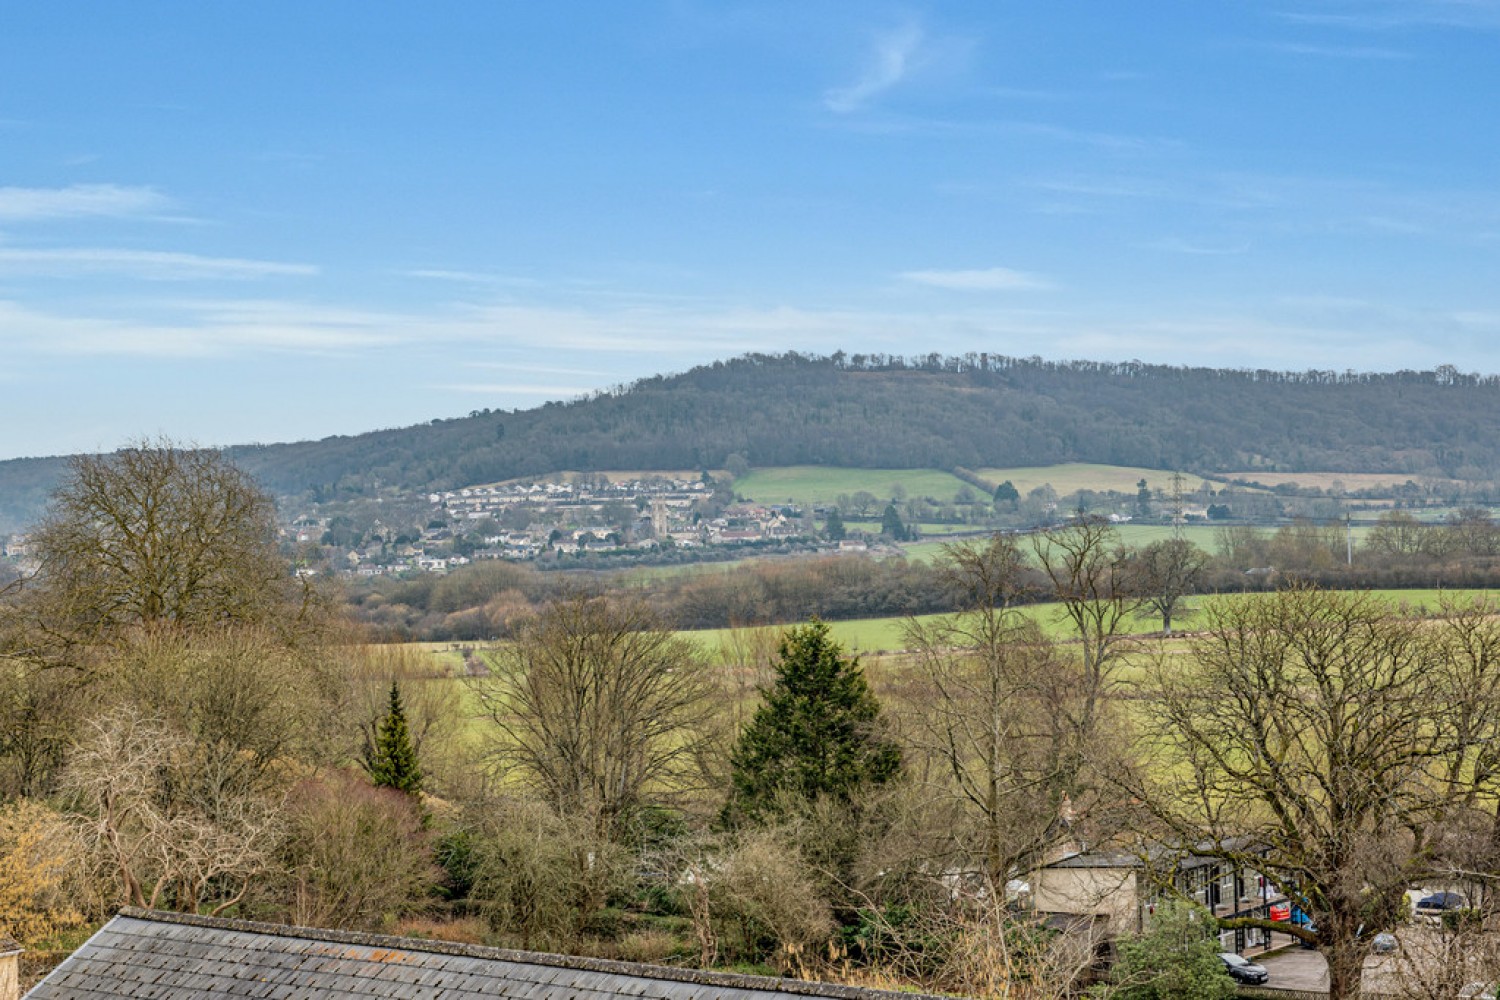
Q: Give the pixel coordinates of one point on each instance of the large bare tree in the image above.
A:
(158, 533)
(1318, 738)
(155, 543)
(991, 706)
(598, 707)
(1093, 579)
(1166, 571)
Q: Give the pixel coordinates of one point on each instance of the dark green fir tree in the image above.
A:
(890, 524)
(817, 733)
(393, 761)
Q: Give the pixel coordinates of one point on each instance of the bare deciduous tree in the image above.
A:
(528, 881)
(160, 533)
(596, 705)
(1166, 572)
(1317, 738)
(753, 897)
(152, 541)
(991, 707)
(356, 856)
(243, 703)
(158, 849)
(1091, 577)
(952, 939)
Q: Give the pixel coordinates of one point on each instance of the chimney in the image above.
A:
(10, 969)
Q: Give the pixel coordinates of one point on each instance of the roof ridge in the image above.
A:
(605, 965)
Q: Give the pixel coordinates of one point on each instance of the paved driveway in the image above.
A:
(1297, 968)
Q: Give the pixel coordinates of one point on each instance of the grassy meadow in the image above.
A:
(813, 484)
(816, 485)
(881, 644)
(885, 635)
(1083, 476)
(1135, 535)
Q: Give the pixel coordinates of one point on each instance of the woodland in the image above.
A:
(884, 411)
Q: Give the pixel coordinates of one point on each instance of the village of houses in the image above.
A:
(534, 521)
(551, 520)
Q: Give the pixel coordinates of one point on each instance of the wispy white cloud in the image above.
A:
(149, 265)
(891, 59)
(560, 352)
(990, 279)
(535, 369)
(885, 123)
(1390, 15)
(78, 201)
(1340, 51)
(1477, 319)
(466, 277)
(1175, 244)
(1325, 302)
(1286, 204)
(196, 330)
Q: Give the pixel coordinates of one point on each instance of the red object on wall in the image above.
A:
(1282, 911)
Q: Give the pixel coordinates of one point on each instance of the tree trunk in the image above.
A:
(1346, 969)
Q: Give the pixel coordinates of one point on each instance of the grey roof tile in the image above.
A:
(160, 956)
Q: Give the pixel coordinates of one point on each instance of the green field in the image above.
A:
(1135, 535)
(883, 635)
(928, 529)
(815, 485)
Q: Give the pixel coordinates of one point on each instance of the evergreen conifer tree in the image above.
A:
(393, 762)
(890, 524)
(815, 735)
(835, 525)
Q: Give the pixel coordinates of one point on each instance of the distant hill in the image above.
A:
(877, 411)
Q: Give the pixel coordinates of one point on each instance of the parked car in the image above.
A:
(1434, 906)
(1384, 944)
(1242, 970)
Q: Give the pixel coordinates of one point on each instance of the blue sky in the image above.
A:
(233, 222)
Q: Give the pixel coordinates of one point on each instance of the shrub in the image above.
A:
(356, 856)
(37, 854)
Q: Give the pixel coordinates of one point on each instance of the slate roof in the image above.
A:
(1181, 858)
(166, 956)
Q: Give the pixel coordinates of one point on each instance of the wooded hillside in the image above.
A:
(878, 411)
